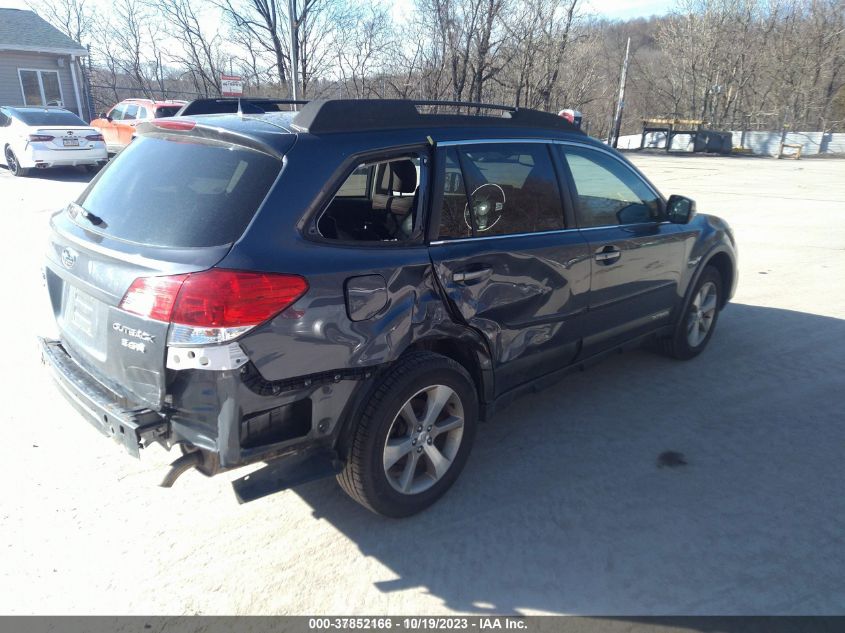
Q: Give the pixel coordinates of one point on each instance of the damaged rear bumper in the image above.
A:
(132, 427)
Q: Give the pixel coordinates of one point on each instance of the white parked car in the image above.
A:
(39, 137)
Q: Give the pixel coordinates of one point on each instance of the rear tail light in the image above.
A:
(213, 306)
(40, 137)
(95, 137)
(153, 297)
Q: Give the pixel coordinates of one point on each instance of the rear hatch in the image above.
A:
(171, 203)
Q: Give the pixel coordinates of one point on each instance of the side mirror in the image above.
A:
(680, 209)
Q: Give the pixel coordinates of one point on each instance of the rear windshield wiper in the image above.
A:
(77, 209)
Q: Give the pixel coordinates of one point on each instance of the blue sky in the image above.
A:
(617, 9)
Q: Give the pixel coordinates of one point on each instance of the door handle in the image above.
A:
(608, 254)
(472, 275)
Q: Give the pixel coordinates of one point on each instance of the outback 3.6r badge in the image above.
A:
(135, 346)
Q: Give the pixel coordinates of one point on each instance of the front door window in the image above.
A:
(607, 193)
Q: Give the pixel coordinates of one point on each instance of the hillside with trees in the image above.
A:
(734, 63)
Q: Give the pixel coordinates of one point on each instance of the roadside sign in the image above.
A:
(231, 86)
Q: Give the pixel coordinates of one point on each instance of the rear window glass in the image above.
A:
(49, 117)
(166, 111)
(178, 192)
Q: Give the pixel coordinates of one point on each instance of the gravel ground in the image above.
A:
(562, 508)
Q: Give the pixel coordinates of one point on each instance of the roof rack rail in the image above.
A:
(360, 115)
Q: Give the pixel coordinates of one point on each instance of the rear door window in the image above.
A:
(512, 189)
(178, 192)
(131, 112)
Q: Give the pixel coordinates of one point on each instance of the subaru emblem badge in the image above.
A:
(68, 258)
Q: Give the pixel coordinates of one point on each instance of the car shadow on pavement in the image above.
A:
(59, 174)
(568, 505)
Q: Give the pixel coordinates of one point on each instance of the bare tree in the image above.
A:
(200, 56)
(730, 62)
(261, 25)
(74, 18)
(361, 53)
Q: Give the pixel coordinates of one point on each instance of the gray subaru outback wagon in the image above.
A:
(352, 287)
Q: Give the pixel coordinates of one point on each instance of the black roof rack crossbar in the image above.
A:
(262, 101)
(255, 99)
(360, 115)
(235, 105)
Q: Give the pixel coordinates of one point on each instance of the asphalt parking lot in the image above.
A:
(562, 507)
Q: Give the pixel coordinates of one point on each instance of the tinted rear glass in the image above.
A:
(179, 192)
(166, 111)
(49, 117)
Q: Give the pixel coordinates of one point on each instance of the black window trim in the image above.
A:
(308, 224)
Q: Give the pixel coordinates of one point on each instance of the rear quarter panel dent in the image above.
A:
(316, 334)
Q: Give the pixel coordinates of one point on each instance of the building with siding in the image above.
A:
(40, 65)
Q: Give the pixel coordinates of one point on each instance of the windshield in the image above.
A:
(163, 112)
(177, 192)
(49, 117)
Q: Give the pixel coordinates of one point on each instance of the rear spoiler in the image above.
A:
(180, 126)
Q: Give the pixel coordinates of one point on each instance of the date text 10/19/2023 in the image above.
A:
(417, 623)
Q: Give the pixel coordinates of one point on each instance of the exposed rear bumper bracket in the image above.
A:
(134, 428)
(284, 473)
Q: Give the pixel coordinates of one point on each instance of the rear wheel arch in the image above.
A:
(464, 352)
(461, 353)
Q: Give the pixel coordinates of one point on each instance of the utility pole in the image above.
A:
(620, 104)
(294, 50)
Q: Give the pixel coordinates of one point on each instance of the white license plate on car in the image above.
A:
(71, 142)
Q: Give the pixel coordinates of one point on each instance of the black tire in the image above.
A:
(13, 164)
(365, 477)
(92, 169)
(679, 345)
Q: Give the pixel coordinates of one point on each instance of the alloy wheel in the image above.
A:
(701, 315)
(11, 161)
(423, 439)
